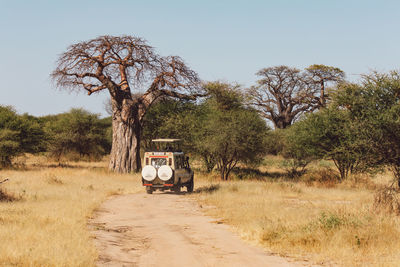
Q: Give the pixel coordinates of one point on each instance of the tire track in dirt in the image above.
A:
(165, 229)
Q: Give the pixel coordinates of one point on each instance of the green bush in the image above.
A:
(18, 134)
(77, 134)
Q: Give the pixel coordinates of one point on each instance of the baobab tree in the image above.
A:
(320, 75)
(123, 65)
(284, 93)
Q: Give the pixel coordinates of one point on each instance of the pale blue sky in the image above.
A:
(227, 40)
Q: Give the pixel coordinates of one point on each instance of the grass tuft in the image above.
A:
(208, 188)
(387, 200)
(323, 177)
(53, 179)
(7, 197)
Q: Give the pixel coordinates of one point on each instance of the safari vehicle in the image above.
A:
(166, 167)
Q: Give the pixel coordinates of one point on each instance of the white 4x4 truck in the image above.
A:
(166, 167)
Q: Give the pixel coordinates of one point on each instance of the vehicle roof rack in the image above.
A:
(165, 144)
(166, 140)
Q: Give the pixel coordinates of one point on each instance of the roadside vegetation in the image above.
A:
(74, 135)
(314, 217)
(45, 209)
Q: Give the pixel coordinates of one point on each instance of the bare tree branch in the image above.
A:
(284, 93)
(122, 65)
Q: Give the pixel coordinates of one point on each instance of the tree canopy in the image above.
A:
(18, 134)
(375, 106)
(359, 130)
(328, 134)
(220, 130)
(77, 131)
(284, 93)
(123, 65)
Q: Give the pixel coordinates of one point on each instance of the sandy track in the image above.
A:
(169, 230)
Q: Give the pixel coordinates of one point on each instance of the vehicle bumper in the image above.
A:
(158, 183)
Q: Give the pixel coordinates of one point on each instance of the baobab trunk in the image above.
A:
(125, 150)
(282, 122)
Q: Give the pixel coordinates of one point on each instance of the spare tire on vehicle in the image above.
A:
(165, 172)
(149, 173)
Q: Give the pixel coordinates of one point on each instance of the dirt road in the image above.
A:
(169, 230)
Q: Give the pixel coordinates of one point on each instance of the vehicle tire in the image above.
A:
(190, 186)
(176, 188)
(149, 190)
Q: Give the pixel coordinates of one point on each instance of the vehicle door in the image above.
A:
(180, 171)
(186, 170)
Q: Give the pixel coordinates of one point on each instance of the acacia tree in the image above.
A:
(327, 134)
(121, 65)
(220, 130)
(284, 93)
(18, 134)
(77, 131)
(232, 132)
(375, 106)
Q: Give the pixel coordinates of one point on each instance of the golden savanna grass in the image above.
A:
(325, 223)
(46, 223)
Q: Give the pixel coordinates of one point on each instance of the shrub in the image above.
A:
(77, 134)
(328, 134)
(295, 167)
(325, 177)
(18, 134)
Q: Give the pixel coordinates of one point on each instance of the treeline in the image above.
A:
(77, 134)
(220, 130)
(359, 130)
(357, 125)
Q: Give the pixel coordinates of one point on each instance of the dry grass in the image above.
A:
(321, 221)
(44, 212)
(44, 223)
(387, 200)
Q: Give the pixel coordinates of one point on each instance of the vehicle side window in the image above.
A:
(178, 162)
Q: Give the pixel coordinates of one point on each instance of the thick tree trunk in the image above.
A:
(125, 150)
(127, 128)
(282, 122)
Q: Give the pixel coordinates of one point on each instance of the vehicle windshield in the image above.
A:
(158, 162)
